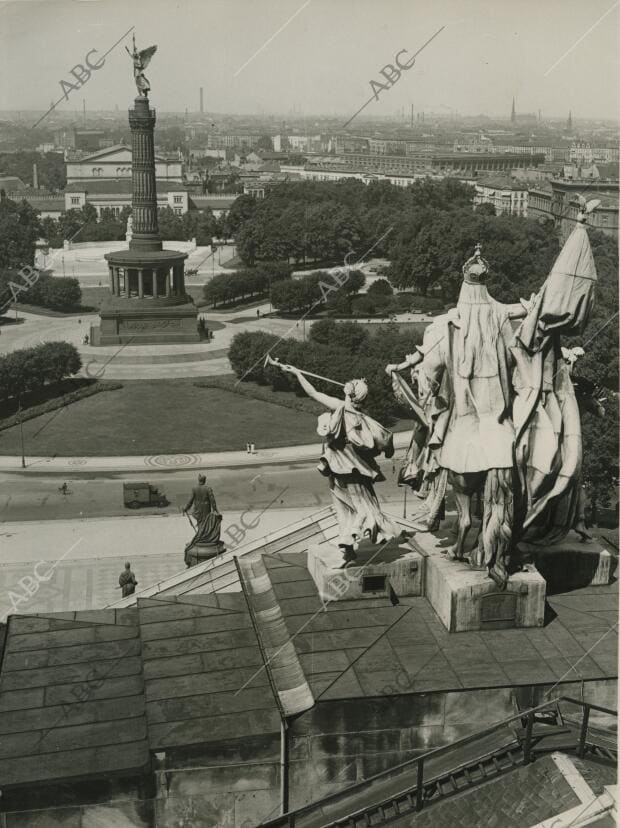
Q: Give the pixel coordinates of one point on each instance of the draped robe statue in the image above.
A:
(206, 542)
(352, 442)
(546, 413)
(506, 418)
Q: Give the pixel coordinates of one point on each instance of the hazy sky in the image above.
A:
(323, 60)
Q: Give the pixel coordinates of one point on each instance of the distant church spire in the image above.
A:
(513, 114)
(569, 122)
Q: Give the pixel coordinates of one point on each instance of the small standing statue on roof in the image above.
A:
(206, 542)
(140, 61)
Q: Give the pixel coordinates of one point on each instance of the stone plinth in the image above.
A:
(467, 600)
(571, 563)
(130, 322)
(199, 553)
(377, 571)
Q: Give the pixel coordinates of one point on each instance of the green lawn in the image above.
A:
(161, 417)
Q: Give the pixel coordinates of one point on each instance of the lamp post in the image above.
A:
(21, 430)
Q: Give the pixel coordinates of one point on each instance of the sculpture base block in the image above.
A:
(378, 571)
(571, 563)
(467, 600)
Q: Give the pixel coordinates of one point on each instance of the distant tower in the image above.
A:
(513, 114)
(411, 114)
(569, 121)
(202, 103)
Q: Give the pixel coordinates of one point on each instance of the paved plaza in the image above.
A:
(51, 566)
(85, 262)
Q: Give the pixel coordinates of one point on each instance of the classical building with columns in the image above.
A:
(147, 303)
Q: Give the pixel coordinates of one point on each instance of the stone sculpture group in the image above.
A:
(495, 417)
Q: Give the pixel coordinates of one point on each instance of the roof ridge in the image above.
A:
(280, 657)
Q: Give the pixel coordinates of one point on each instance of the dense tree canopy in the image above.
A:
(50, 167)
(316, 290)
(83, 225)
(247, 283)
(323, 221)
(19, 230)
(339, 350)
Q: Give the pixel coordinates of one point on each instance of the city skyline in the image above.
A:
(555, 65)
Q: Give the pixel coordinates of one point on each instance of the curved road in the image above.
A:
(36, 496)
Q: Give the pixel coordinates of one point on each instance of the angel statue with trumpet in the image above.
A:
(352, 442)
(140, 61)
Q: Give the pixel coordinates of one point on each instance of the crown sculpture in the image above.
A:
(475, 268)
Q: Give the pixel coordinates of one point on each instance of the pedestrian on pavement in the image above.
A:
(258, 313)
(64, 488)
(127, 581)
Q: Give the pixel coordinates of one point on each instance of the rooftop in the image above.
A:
(219, 651)
(502, 183)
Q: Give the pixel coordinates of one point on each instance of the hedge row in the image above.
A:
(245, 284)
(58, 293)
(59, 402)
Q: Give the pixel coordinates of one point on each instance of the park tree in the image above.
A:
(170, 224)
(199, 224)
(20, 228)
(27, 369)
(52, 231)
(70, 222)
(600, 457)
(380, 287)
(247, 354)
(354, 282)
(242, 210)
(55, 292)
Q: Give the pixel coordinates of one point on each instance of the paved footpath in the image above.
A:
(216, 459)
(57, 565)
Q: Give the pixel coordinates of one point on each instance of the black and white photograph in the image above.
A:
(309, 413)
